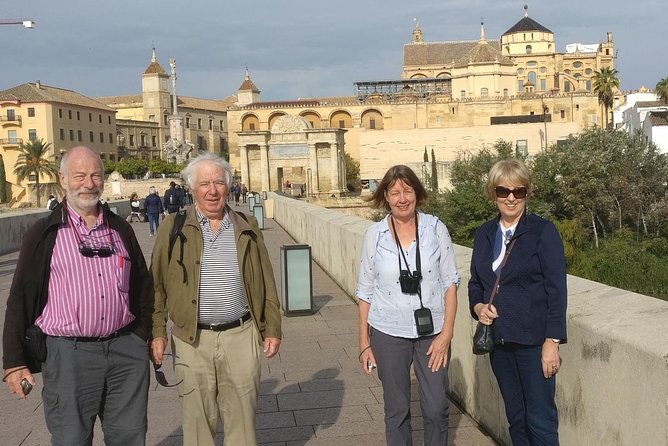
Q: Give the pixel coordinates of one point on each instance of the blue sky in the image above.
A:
(293, 48)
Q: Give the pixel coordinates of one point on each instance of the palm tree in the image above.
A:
(661, 90)
(33, 160)
(605, 84)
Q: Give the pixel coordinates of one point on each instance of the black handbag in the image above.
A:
(483, 338)
(35, 343)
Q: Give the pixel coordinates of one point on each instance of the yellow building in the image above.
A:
(61, 117)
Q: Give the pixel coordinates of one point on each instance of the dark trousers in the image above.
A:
(153, 222)
(527, 395)
(395, 356)
(86, 380)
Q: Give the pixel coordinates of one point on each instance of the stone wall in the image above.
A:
(613, 385)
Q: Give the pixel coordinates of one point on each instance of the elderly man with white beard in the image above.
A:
(79, 311)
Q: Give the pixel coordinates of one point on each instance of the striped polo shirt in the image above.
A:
(222, 296)
(87, 296)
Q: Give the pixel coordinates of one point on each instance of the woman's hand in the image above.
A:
(550, 358)
(486, 313)
(438, 351)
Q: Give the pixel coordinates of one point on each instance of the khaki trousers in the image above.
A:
(221, 375)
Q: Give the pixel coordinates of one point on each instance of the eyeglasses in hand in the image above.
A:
(160, 373)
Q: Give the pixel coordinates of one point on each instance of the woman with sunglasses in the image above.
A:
(529, 309)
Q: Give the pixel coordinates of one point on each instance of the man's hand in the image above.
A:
(271, 346)
(13, 379)
(158, 346)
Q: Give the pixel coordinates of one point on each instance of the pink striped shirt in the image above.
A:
(87, 296)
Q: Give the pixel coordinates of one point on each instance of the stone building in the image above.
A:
(60, 117)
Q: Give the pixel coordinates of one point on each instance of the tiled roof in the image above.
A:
(658, 118)
(248, 84)
(154, 68)
(204, 104)
(649, 104)
(118, 100)
(441, 53)
(31, 93)
(525, 25)
(483, 53)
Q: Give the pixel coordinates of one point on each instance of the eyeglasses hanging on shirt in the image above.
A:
(410, 282)
(92, 245)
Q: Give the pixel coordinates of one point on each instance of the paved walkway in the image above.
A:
(312, 393)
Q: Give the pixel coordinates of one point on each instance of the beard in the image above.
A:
(82, 200)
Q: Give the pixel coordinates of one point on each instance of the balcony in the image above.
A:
(11, 142)
(7, 121)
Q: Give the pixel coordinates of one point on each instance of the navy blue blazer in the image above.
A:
(531, 300)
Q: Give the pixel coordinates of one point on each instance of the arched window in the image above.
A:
(528, 49)
(531, 76)
(484, 92)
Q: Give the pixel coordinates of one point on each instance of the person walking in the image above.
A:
(407, 289)
(529, 309)
(153, 206)
(216, 284)
(171, 200)
(81, 287)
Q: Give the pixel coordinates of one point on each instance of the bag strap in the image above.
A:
(498, 277)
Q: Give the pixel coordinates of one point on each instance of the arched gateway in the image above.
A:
(293, 152)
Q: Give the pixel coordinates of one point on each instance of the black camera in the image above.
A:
(409, 282)
(424, 322)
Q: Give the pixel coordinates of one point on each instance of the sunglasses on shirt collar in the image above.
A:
(503, 192)
(103, 251)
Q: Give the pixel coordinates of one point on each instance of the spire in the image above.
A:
(417, 33)
(247, 76)
(526, 10)
(482, 32)
(154, 58)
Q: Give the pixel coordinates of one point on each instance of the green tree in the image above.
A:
(353, 181)
(109, 166)
(434, 173)
(605, 84)
(34, 160)
(132, 168)
(425, 157)
(661, 90)
(3, 181)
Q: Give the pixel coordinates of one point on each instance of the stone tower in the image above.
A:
(155, 92)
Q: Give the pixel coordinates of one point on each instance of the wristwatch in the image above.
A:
(556, 341)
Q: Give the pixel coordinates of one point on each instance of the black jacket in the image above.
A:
(28, 293)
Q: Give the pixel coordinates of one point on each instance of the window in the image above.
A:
(31, 112)
(528, 49)
(251, 126)
(78, 117)
(79, 135)
(505, 92)
(132, 140)
(69, 114)
(71, 135)
(543, 84)
(109, 119)
(153, 141)
(142, 140)
(567, 87)
(532, 63)
(91, 136)
(484, 92)
(60, 113)
(199, 123)
(222, 125)
(562, 114)
(520, 86)
(210, 124)
(521, 147)
(11, 135)
(462, 94)
(342, 124)
(101, 137)
(588, 85)
(520, 71)
(531, 76)
(151, 117)
(187, 123)
(62, 134)
(111, 138)
(372, 124)
(543, 70)
(90, 117)
(11, 115)
(166, 120)
(32, 134)
(577, 64)
(100, 119)
(577, 106)
(588, 71)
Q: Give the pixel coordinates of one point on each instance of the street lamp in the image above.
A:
(27, 23)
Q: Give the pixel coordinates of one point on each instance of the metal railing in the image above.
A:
(11, 141)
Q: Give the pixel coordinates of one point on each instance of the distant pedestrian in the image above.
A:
(244, 192)
(51, 203)
(171, 200)
(153, 206)
(236, 191)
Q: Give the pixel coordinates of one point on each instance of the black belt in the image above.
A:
(226, 326)
(116, 334)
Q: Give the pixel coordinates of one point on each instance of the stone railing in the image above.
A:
(613, 386)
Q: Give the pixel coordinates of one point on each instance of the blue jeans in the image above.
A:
(153, 222)
(527, 394)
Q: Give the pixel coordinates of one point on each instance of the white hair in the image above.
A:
(188, 172)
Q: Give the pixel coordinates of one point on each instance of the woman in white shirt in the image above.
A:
(407, 290)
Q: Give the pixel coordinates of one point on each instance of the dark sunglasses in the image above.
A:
(103, 251)
(503, 192)
(160, 373)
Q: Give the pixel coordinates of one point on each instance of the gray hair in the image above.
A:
(66, 157)
(188, 172)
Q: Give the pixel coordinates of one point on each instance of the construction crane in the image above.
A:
(27, 23)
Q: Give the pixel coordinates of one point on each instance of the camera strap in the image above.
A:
(400, 255)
